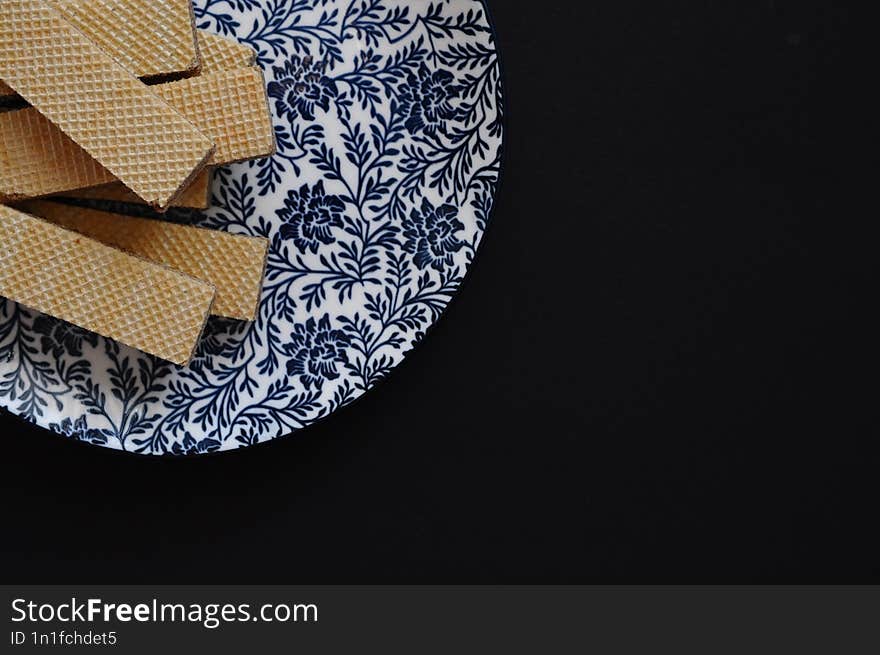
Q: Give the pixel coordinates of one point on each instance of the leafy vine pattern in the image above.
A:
(388, 117)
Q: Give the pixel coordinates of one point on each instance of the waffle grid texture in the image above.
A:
(217, 53)
(62, 273)
(196, 196)
(220, 53)
(148, 37)
(234, 264)
(232, 107)
(37, 159)
(110, 113)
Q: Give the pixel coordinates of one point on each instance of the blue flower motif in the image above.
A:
(316, 349)
(426, 100)
(59, 337)
(78, 431)
(309, 215)
(189, 446)
(300, 85)
(430, 235)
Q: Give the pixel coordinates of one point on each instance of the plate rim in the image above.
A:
(286, 436)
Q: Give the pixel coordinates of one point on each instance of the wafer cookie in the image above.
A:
(37, 159)
(110, 113)
(234, 264)
(142, 304)
(220, 53)
(232, 107)
(196, 196)
(217, 53)
(150, 38)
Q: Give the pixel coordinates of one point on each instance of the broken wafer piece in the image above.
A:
(142, 304)
(196, 196)
(38, 159)
(234, 264)
(111, 114)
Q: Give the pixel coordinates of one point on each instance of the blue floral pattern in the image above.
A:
(315, 352)
(58, 337)
(430, 234)
(300, 85)
(426, 99)
(79, 431)
(308, 216)
(389, 122)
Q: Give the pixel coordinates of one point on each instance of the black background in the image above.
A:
(663, 367)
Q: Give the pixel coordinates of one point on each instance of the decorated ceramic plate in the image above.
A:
(388, 116)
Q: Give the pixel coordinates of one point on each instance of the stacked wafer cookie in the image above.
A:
(124, 100)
